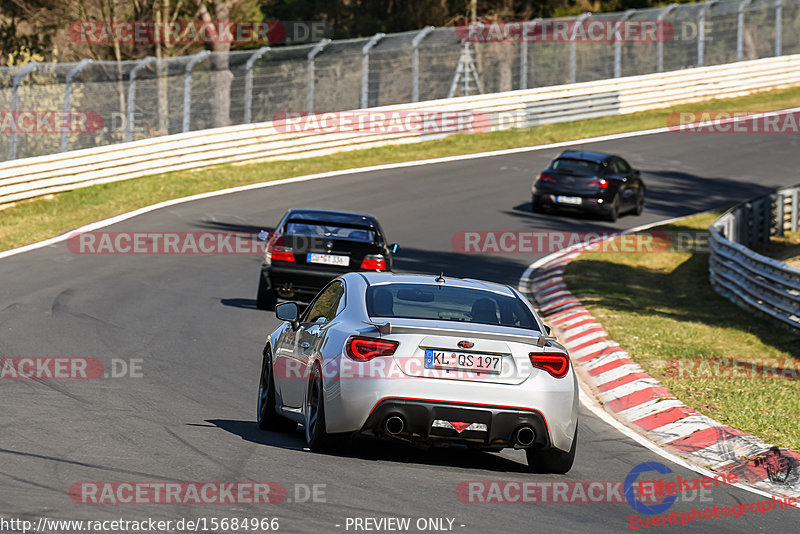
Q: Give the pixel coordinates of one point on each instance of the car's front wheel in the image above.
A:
(268, 417)
(553, 460)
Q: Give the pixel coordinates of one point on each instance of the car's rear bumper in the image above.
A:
(491, 426)
(595, 204)
(298, 282)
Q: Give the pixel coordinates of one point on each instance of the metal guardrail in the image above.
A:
(32, 177)
(753, 281)
(149, 97)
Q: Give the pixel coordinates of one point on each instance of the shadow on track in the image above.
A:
(365, 448)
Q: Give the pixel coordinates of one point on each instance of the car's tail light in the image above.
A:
(546, 178)
(555, 363)
(363, 349)
(277, 251)
(374, 262)
(602, 183)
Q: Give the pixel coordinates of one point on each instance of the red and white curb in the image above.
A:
(641, 402)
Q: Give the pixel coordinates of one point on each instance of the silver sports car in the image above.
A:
(423, 359)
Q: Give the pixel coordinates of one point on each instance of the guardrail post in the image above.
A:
(132, 95)
(795, 219)
(365, 67)
(701, 32)
(618, 43)
(187, 88)
(415, 61)
(740, 28)
(68, 97)
(660, 41)
(311, 55)
(523, 53)
(780, 214)
(572, 52)
(27, 69)
(248, 82)
(778, 26)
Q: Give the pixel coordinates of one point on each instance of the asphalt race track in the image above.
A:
(192, 320)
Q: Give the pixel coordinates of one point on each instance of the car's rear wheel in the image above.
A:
(317, 438)
(268, 417)
(552, 460)
(613, 211)
(266, 298)
(536, 207)
(639, 203)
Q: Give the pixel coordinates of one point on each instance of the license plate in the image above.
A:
(328, 259)
(461, 361)
(568, 200)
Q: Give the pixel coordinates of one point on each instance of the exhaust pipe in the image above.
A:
(394, 424)
(525, 436)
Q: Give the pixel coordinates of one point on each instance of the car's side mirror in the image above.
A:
(393, 248)
(288, 311)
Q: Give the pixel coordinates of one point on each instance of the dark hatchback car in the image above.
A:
(593, 182)
(311, 247)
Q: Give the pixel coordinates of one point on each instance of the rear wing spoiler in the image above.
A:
(387, 328)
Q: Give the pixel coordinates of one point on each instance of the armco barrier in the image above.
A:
(32, 177)
(749, 279)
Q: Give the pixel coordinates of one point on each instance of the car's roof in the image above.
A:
(596, 157)
(345, 217)
(380, 278)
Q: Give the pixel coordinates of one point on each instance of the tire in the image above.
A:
(536, 207)
(266, 299)
(317, 438)
(613, 212)
(639, 203)
(552, 460)
(266, 414)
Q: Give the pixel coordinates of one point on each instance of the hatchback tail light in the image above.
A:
(374, 262)
(555, 363)
(364, 349)
(602, 183)
(546, 178)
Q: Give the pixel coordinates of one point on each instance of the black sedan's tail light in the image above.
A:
(279, 252)
(374, 262)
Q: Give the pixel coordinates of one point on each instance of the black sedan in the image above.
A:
(311, 247)
(593, 182)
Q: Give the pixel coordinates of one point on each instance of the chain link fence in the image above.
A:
(55, 107)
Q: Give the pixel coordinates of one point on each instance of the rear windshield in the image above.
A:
(331, 230)
(443, 303)
(578, 167)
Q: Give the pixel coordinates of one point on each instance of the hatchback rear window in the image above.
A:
(443, 303)
(577, 167)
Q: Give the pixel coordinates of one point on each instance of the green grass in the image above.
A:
(660, 307)
(39, 219)
(785, 249)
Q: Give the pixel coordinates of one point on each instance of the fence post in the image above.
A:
(740, 28)
(365, 67)
(248, 82)
(27, 69)
(701, 33)
(795, 209)
(311, 55)
(780, 214)
(660, 41)
(68, 97)
(572, 53)
(132, 95)
(778, 26)
(618, 43)
(415, 61)
(187, 88)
